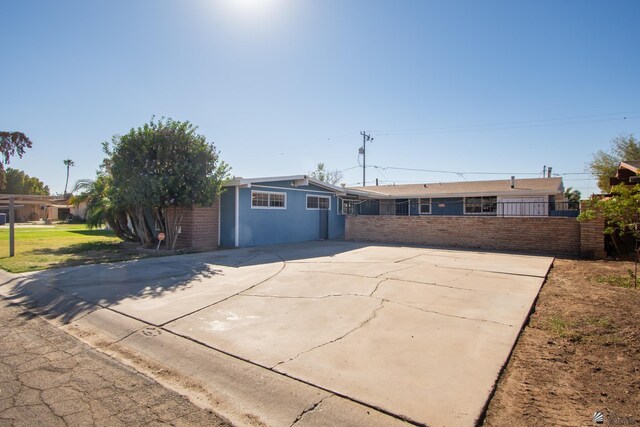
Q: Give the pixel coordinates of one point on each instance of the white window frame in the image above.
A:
(269, 193)
(464, 206)
(341, 206)
(420, 206)
(306, 201)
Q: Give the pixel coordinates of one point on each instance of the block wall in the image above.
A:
(592, 239)
(547, 235)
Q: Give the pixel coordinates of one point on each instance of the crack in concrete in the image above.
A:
(407, 259)
(361, 325)
(377, 286)
(246, 260)
(309, 409)
(284, 264)
(445, 314)
(395, 271)
(128, 335)
(506, 273)
(403, 280)
(343, 274)
(459, 288)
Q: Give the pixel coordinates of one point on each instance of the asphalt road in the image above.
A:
(48, 378)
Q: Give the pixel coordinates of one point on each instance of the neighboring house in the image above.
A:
(627, 173)
(516, 197)
(36, 208)
(264, 211)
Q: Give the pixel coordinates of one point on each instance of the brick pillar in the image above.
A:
(592, 239)
(199, 227)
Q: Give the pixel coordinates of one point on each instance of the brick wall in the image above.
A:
(592, 239)
(548, 235)
(199, 228)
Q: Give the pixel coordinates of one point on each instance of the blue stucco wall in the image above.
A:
(227, 217)
(368, 207)
(452, 206)
(270, 226)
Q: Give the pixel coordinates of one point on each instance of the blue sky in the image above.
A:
(280, 85)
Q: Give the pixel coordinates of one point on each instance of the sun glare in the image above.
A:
(252, 10)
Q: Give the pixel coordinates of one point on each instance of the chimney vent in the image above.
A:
(513, 182)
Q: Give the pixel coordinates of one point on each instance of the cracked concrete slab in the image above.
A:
(105, 325)
(271, 330)
(490, 262)
(358, 269)
(431, 368)
(157, 292)
(418, 333)
(293, 282)
(505, 306)
(245, 393)
(336, 411)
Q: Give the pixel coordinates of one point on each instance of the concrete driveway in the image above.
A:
(391, 332)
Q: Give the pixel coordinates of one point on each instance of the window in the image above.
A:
(348, 207)
(266, 200)
(425, 206)
(318, 202)
(480, 205)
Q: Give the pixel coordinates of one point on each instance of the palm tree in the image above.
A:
(100, 208)
(573, 198)
(68, 163)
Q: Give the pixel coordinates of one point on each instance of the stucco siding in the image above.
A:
(228, 217)
(295, 223)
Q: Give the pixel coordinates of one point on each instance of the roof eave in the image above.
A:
(521, 193)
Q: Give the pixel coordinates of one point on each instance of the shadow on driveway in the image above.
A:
(69, 293)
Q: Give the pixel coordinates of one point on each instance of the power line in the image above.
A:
(517, 124)
(572, 173)
(453, 172)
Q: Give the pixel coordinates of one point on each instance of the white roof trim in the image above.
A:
(245, 181)
(299, 179)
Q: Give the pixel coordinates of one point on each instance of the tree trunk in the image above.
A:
(66, 183)
(172, 219)
(142, 228)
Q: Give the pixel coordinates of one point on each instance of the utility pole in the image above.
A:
(363, 151)
(12, 232)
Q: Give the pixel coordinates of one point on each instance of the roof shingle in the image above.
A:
(548, 186)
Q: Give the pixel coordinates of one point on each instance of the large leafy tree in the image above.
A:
(621, 212)
(18, 182)
(321, 173)
(604, 164)
(11, 144)
(162, 169)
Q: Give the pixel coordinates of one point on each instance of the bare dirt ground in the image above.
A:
(48, 378)
(579, 354)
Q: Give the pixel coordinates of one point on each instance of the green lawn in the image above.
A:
(62, 245)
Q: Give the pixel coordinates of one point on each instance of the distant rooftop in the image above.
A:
(633, 165)
(523, 186)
